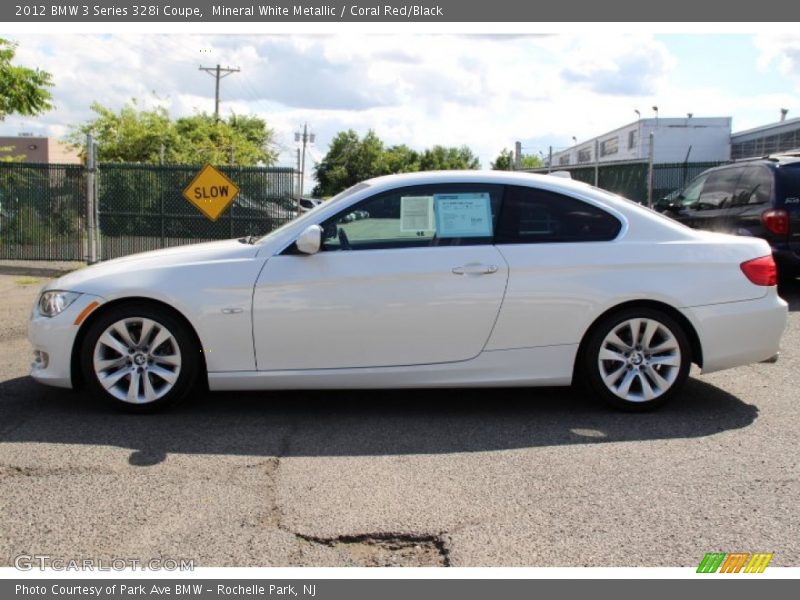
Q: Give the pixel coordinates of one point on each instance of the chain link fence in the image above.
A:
(42, 211)
(139, 207)
(630, 179)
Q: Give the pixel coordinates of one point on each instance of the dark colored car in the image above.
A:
(755, 197)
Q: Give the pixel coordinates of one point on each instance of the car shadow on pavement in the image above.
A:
(360, 423)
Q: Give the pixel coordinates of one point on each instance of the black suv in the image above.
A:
(758, 197)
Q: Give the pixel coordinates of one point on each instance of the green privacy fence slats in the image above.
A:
(42, 211)
(630, 179)
(139, 208)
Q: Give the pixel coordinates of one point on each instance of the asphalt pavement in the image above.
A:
(519, 477)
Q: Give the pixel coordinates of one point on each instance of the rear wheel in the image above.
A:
(636, 359)
(139, 358)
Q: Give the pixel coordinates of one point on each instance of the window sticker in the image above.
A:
(463, 215)
(416, 213)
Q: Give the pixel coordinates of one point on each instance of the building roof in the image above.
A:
(787, 125)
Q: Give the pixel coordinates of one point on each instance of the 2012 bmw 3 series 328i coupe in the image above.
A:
(448, 279)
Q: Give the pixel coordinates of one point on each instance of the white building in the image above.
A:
(674, 141)
(767, 139)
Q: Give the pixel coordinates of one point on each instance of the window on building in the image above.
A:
(609, 146)
(633, 139)
(584, 155)
(563, 160)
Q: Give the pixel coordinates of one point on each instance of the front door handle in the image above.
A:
(475, 269)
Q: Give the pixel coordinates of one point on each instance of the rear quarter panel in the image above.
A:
(556, 291)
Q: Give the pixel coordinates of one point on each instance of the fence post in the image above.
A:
(597, 163)
(650, 171)
(91, 213)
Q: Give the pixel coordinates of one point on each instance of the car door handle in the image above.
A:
(475, 269)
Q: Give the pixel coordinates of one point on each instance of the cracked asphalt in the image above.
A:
(517, 477)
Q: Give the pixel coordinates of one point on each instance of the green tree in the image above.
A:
(348, 161)
(441, 158)
(351, 159)
(529, 161)
(146, 136)
(504, 161)
(23, 90)
(400, 159)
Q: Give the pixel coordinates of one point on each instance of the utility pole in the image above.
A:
(218, 73)
(650, 153)
(305, 138)
(517, 156)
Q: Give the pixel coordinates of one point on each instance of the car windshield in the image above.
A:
(311, 214)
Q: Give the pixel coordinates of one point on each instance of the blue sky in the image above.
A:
(482, 91)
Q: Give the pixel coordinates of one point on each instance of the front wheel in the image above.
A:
(139, 358)
(636, 359)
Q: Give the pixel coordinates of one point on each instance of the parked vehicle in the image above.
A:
(756, 197)
(307, 204)
(448, 279)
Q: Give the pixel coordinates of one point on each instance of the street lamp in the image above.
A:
(638, 114)
(655, 110)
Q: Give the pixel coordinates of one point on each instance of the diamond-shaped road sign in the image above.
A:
(211, 192)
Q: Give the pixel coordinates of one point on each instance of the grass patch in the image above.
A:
(27, 280)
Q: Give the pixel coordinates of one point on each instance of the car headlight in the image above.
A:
(53, 302)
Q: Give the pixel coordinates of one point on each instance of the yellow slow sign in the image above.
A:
(211, 192)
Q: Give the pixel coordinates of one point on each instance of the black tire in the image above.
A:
(162, 393)
(644, 374)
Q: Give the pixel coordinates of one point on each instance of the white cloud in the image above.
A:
(482, 91)
(781, 52)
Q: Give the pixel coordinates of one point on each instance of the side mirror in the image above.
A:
(310, 240)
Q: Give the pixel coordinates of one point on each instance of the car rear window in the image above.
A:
(532, 215)
(789, 177)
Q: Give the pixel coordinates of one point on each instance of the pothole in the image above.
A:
(387, 550)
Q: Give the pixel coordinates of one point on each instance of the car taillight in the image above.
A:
(776, 220)
(761, 271)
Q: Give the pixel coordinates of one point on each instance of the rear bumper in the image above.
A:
(739, 333)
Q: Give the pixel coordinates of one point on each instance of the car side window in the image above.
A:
(690, 195)
(754, 187)
(718, 190)
(417, 216)
(532, 215)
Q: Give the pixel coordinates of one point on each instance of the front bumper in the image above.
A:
(52, 339)
(739, 333)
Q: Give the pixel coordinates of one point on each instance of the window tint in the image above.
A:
(419, 216)
(789, 183)
(538, 216)
(692, 192)
(754, 187)
(719, 188)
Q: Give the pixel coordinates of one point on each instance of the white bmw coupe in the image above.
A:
(447, 279)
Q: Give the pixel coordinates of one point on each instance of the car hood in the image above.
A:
(82, 279)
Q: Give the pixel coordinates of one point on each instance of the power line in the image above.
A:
(218, 73)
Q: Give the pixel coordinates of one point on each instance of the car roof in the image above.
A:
(774, 160)
(475, 175)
